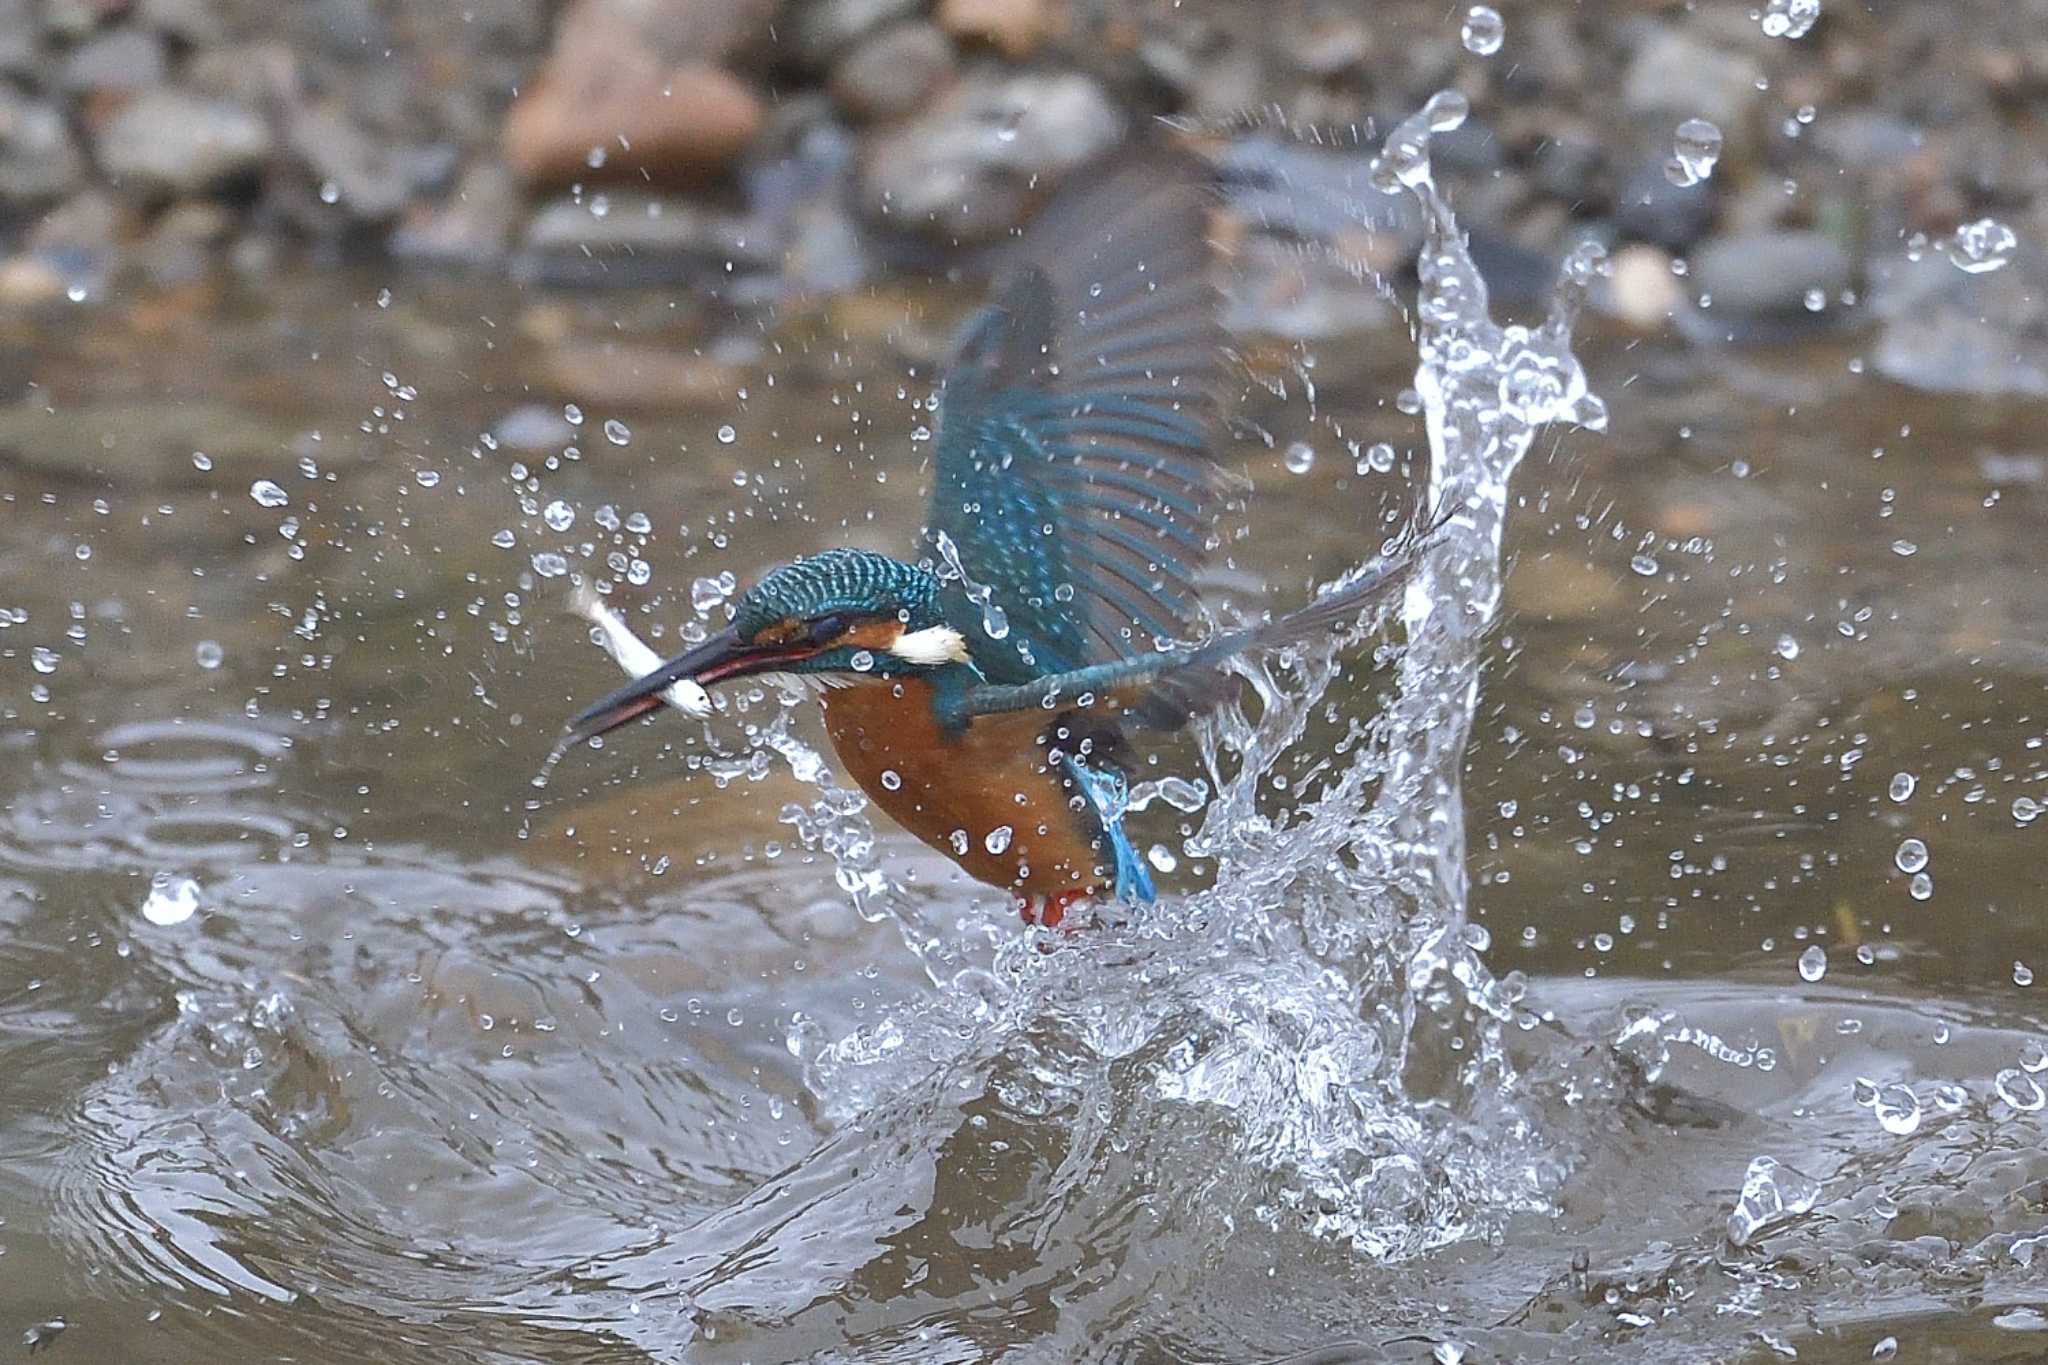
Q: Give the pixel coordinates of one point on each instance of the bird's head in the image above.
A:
(836, 618)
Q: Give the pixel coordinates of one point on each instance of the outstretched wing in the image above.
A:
(1075, 478)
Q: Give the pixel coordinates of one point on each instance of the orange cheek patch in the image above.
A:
(877, 635)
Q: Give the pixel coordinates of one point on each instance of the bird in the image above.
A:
(984, 693)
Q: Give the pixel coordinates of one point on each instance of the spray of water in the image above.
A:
(1322, 1012)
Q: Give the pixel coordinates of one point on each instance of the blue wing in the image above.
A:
(1075, 474)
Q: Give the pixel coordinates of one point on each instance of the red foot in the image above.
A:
(1048, 911)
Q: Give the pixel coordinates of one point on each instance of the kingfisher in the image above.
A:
(984, 694)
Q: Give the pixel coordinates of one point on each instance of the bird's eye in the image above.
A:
(826, 629)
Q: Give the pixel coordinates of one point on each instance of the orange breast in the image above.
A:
(955, 792)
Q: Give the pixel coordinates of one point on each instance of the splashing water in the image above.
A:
(1318, 1024)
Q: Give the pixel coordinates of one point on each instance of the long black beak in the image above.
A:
(722, 656)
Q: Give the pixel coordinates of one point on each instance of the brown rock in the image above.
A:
(1015, 27)
(628, 95)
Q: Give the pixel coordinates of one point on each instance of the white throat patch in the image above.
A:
(930, 646)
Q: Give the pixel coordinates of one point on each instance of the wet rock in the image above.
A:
(966, 170)
(1946, 331)
(637, 239)
(1649, 208)
(182, 242)
(365, 179)
(1016, 28)
(472, 227)
(168, 142)
(20, 53)
(196, 23)
(894, 72)
(1769, 272)
(826, 29)
(38, 159)
(125, 59)
(1675, 73)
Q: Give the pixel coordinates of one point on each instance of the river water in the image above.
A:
(328, 1035)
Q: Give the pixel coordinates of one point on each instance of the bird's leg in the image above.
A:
(1048, 911)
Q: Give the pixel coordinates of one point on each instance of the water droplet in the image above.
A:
(171, 900)
(726, 435)
(1161, 857)
(427, 478)
(1694, 151)
(572, 414)
(1911, 856)
(1300, 457)
(1446, 111)
(1897, 1109)
(268, 494)
(863, 661)
(617, 432)
(1378, 459)
(1771, 1193)
(208, 654)
(1816, 300)
(998, 839)
(330, 193)
(1887, 1348)
(201, 461)
(2026, 810)
(1482, 31)
(1905, 549)
(1980, 247)
(42, 659)
(2019, 1090)
(1902, 787)
(706, 593)
(1645, 565)
(548, 564)
(504, 539)
(1788, 648)
(77, 292)
(891, 781)
(1813, 963)
(958, 838)
(2022, 974)
(1921, 887)
(1790, 18)
(559, 515)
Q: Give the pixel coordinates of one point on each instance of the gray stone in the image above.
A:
(894, 72)
(122, 60)
(1945, 331)
(39, 161)
(1676, 74)
(194, 22)
(825, 29)
(20, 53)
(1649, 208)
(1769, 272)
(636, 240)
(473, 227)
(965, 170)
(362, 177)
(174, 143)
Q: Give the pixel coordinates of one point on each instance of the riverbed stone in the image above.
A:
(967, 169)
(170, 142)
(1769, 272)
(894, 72)
(39, 161)
(1016, 28)
(1675, 73)
(1947, 331)
(125, 59)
